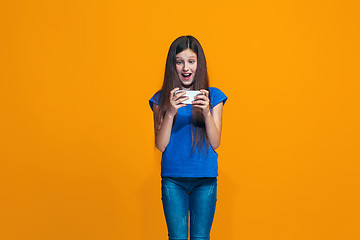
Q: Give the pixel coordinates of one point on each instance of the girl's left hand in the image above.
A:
(202, 101)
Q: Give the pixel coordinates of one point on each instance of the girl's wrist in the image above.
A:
(206, 113)
(170, 114)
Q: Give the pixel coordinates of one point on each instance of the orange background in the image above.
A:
(78, 159)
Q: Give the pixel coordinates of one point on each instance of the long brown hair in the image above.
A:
(171, 81)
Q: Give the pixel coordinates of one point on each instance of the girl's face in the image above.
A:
(186, 64)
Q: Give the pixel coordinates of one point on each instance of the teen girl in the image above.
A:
(187, 135)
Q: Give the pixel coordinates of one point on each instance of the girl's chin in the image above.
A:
(187, 84)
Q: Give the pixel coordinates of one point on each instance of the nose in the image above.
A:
(186, 67)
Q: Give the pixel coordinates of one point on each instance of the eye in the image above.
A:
(192, 61)
(178, 62)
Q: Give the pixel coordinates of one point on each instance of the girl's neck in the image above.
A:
(183, 88)
(187, 87)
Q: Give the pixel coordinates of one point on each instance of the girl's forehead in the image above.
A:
(186, 53)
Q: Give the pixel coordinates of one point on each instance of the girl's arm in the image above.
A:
(164, 127)
(213, 122)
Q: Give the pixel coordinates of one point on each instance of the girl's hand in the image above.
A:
(176, 101)
(202, 101)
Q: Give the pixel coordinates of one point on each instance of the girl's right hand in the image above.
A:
(176, 101)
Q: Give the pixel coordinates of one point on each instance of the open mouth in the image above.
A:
(186, 76)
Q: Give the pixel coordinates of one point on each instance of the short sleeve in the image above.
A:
(155, 99)
(217, 96)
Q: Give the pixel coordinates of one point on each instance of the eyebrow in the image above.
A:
(189, 57)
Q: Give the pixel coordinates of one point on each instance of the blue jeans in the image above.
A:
(183, 194)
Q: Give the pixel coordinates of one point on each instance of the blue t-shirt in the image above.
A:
(178, 160)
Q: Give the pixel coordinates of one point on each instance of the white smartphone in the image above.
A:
(191, 94)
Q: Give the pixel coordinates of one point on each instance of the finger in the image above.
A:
(178, 95)
(173, 91)
(199, 106)
(200, 102)
(203, 97)
(180, 100)
(205, 91)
